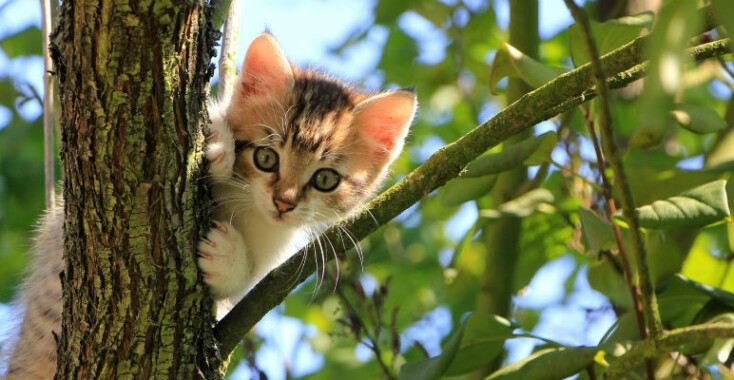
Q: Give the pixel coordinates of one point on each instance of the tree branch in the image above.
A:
(667, 341)
(562, 93)
(49, 96)
(228, 54)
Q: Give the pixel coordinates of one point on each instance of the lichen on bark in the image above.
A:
(133, 80)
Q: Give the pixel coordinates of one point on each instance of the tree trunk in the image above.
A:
(133, 80)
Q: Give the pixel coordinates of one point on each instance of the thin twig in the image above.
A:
(726, 68)
(645, 293)
(48, 107)
(611, 210)
(577, 175)
(561, 94)
(373, 338)
(649, 299)
(228, 54)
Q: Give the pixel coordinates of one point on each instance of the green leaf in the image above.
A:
(484, 338)
(474, 344)
(649, 183)
(608, 35)
(698, 119)
(718, 294)
(607, 279)
(460, 190)
(550, 363)
(697, 207)
(510, 62)
(532, 151)
(598, 233)
(676, 24)
(521, 206)
(27, 42)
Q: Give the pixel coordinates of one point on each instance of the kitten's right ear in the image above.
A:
(265, 70)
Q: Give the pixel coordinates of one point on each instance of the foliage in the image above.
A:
(432, 257)
(21, 162)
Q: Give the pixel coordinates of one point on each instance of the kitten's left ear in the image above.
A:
(383, 120)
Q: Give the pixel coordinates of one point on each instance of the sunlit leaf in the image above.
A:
(716, 293)
(532, 151)
(608, 35)
(649, 183)
(698, 119)
(460, 190)
(27, 42)
(697, 207)
(521, 206)
(549, 363)
(677, 22)
(510, 62)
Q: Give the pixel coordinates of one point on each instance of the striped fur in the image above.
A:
(34, 356)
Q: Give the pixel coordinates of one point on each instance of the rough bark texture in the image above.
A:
(133, 78)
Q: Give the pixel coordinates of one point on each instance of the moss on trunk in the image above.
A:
(133, 80)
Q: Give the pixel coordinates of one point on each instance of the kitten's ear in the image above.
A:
(265, 70)
(383, 120)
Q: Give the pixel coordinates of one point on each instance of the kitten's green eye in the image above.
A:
(266, 159)
(325, 180)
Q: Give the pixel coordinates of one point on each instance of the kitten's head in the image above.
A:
(312, 148)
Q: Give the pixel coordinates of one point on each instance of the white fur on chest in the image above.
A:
(267, 245)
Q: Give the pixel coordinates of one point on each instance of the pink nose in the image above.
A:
(283, 206)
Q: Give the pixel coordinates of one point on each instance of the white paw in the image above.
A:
(222, 261)
(220, 146)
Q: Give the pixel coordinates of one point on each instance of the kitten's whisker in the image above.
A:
(357, 247)
(336, 261)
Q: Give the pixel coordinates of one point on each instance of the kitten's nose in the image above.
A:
(283, 206)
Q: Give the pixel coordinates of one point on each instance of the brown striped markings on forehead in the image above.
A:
(320, 110)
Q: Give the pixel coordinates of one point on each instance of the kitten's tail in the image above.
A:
(34, 355)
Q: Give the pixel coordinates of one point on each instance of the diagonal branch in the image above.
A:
(652, 347)
(562, 93)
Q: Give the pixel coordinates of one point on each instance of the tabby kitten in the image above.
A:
(290, 152)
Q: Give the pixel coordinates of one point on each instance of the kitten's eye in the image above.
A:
(325, 180)
(266, 159)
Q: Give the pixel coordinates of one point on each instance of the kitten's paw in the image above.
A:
(220, 147)
(222, 261)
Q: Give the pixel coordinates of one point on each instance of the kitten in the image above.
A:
(290, 152)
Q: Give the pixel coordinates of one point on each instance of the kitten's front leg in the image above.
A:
(223, 261)
(220, 146)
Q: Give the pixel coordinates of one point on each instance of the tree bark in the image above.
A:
(133, 80)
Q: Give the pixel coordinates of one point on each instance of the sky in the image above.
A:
(306, 31)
